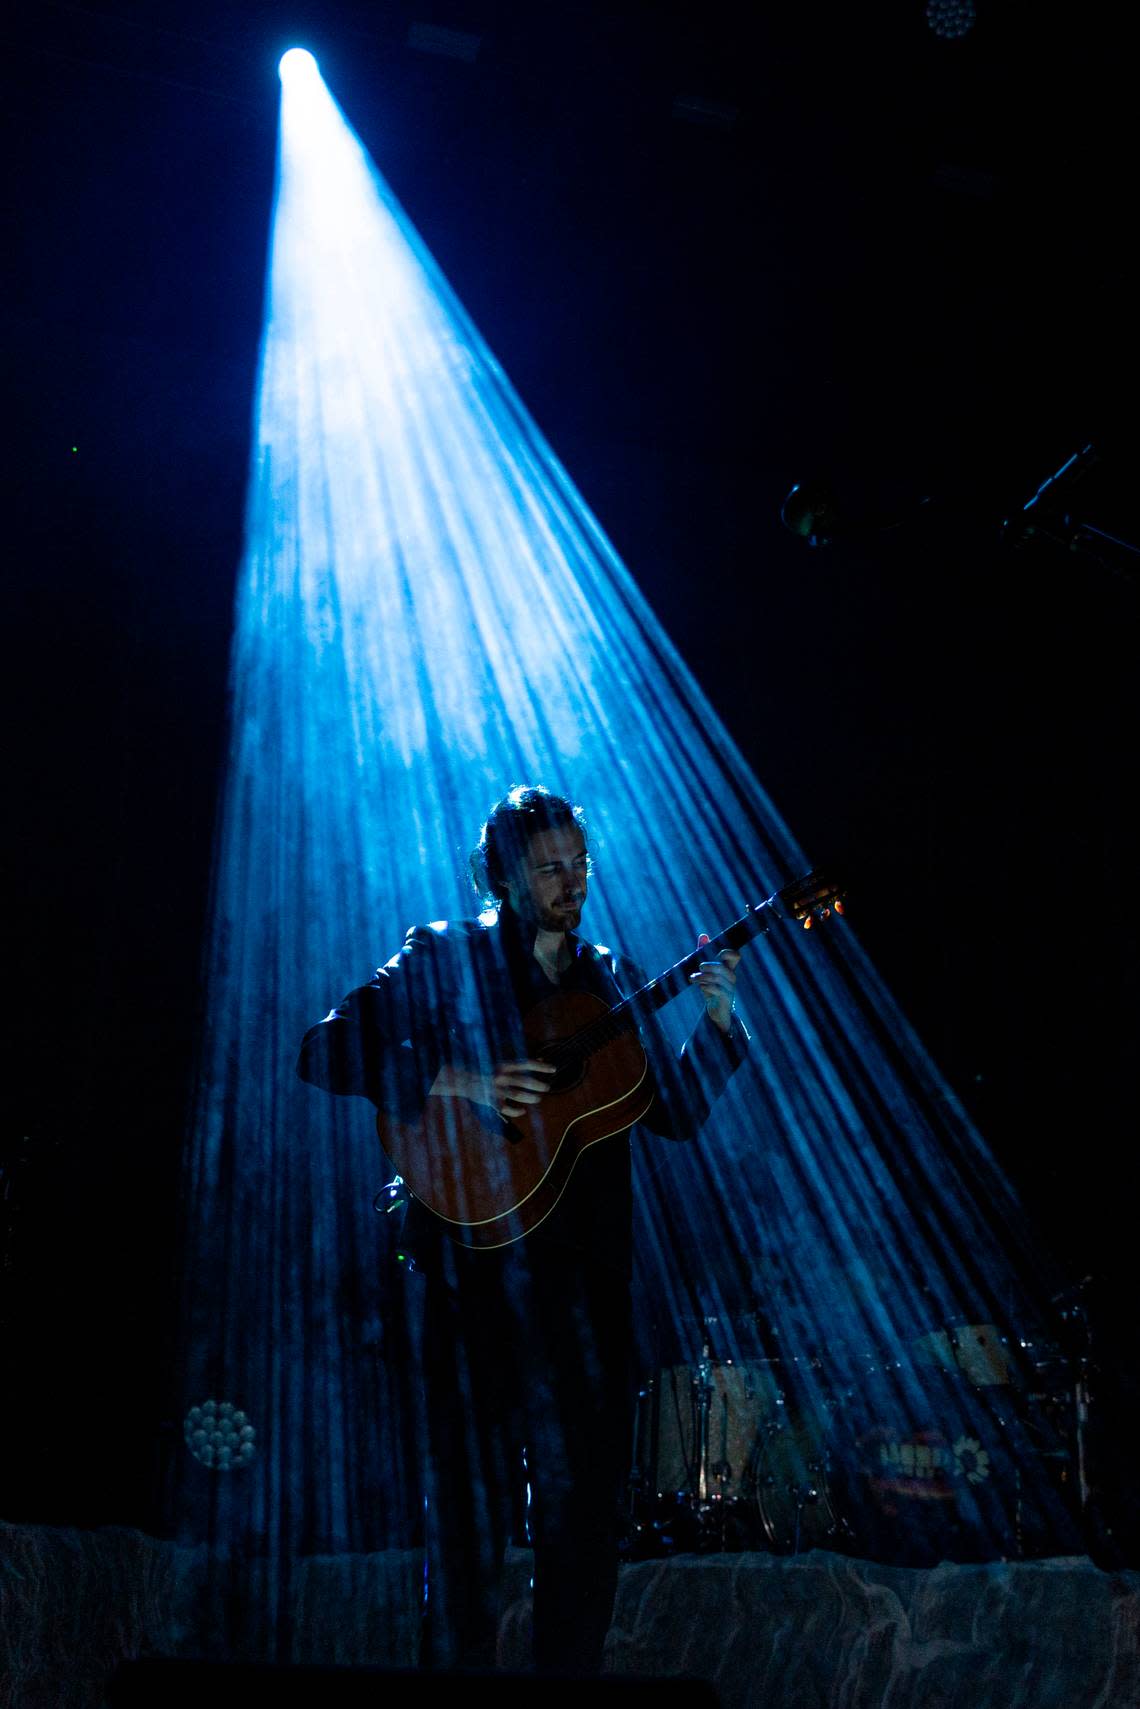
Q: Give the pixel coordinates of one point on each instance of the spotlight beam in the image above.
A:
(428, 612)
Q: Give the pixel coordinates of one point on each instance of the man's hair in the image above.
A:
(522, 814)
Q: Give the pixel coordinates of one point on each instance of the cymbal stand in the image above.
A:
(703, 1389)
(1075, 1317)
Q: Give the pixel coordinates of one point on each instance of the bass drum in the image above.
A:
(904, 1468)
(924, 1469)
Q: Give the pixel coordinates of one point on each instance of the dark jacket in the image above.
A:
(454, 994)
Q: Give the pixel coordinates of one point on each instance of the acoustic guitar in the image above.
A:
(493, 1180)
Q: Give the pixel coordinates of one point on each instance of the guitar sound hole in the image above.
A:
(568, 1076)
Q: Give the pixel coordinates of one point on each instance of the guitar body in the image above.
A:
(494, 1181)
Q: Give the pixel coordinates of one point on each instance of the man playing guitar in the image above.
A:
(507, 1069)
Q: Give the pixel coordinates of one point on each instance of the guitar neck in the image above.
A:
(675, 979)
(796, 901)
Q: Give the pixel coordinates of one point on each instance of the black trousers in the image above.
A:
(527, 1382)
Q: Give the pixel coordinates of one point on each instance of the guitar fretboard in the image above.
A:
(625, 1016)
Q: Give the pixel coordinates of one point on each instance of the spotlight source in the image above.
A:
(298, 62)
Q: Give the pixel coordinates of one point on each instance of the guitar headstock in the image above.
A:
(814, 897)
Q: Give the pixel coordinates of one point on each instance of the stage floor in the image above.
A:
(817, 1631)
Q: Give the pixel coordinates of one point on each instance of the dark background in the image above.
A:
(891, 262)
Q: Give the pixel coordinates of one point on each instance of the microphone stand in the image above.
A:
(811, 512)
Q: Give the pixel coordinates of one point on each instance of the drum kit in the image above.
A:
(967, 1443)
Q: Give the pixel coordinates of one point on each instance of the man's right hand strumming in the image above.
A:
(507, 1090)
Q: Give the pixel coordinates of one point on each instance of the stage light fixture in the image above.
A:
(296, 64)
(219, 1435)
(951, 19)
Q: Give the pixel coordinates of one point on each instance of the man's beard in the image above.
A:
(558, 919)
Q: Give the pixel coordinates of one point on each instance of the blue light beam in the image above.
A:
(427, 612)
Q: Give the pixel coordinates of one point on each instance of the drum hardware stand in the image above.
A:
(1082, 1360)
(713, 1476)
(703, 1388)
(636, 1516)
(644, 1444)
(802, 1494)
(1064, 1387)
(1081, 1424)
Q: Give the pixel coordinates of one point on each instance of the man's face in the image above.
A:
(549, 885)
